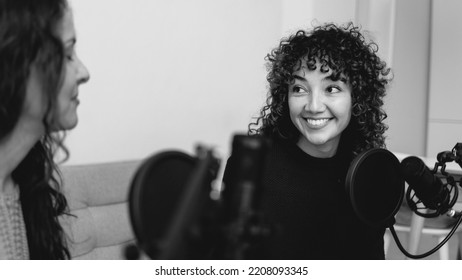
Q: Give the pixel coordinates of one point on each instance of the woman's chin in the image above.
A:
(67, 124)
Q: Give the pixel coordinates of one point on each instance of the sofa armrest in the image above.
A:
(99, 225)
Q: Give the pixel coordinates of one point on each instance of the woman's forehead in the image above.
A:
(65, 28)
(324, 65)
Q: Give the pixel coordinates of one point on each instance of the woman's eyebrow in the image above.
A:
(297, 77)
(340, 78)
(329, 78)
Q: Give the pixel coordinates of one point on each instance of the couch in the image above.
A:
(99, 227)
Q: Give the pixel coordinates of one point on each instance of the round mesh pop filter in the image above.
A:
(375, 186)
(155, 193)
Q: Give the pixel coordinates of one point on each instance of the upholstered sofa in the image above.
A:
(99, 227)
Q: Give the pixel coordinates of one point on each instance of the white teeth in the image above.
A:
(316, 122)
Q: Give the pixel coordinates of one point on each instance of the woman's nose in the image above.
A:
(316, 102)
(84, 75)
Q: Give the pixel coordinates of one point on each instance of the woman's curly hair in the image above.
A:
(344, 50)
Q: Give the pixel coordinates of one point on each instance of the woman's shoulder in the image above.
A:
(13, 240)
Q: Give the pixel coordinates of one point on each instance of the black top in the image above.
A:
(304, 201)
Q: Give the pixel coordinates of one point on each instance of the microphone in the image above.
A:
(174, 215)
(428, 188)
(375, 184)
(241, 195)
(170, 206)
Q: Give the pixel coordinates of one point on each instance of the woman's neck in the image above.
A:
(15, 147)
(327, 150)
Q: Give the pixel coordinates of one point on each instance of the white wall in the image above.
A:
(445, 109)
(169, 74)
(297, 14)
(407, 100)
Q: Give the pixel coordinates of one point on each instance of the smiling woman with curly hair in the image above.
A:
(345, 52)
(326, 89)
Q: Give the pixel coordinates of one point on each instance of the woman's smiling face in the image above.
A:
(320, 108)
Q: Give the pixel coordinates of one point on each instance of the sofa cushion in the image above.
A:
(99, 227)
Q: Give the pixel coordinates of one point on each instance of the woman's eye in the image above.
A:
(70, 54)
(297, 89)
(333, 89)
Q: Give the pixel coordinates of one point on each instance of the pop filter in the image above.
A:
(166, 201)
(375, 186)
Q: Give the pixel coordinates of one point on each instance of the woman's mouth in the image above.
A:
(317, 123)
(75, 99)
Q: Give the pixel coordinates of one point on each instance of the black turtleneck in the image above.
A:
(304, 201)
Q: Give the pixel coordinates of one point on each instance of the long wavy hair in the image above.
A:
(27, 37)
(345, 51)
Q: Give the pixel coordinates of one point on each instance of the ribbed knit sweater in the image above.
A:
(305, 202)
(13, 238)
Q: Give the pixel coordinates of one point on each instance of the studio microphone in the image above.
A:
(427, 191)
(241, 195)
(170, 206)
(375, 183)
(426, 185)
